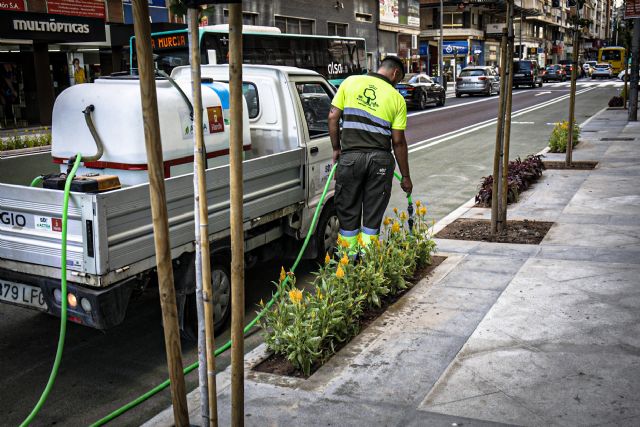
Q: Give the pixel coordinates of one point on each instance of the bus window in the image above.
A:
(611, 55)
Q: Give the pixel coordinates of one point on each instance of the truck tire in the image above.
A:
(221, 282)
(326, 234)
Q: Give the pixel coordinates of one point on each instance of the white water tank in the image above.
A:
(117, 117)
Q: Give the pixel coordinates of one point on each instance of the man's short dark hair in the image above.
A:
(393, 62)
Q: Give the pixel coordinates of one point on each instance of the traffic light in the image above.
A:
(555, 3)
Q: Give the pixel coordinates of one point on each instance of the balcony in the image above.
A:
(454, 33)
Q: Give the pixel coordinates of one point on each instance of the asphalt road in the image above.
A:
(451, 150)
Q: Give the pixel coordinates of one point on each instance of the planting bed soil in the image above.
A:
(522, 232)
(279, 365)
(579, 165)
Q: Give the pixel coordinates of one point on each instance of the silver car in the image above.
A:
(477, 81)
(602, 70)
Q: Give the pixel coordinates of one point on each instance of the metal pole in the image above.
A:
(633, 76)
(520, 47)
(208, 399)
(572, 95)
(496, 189)
(502, 224)
(625, 98)
(237, 233)
(142, 29)
(440, 46)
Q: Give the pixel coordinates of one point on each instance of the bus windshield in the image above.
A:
(611, 55)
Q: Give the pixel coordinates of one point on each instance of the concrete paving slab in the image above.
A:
(595, 236)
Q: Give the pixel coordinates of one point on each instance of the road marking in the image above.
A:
(542, 93)
(430, 142)
(523, 123)
(417, 113)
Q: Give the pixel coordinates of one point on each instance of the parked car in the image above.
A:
(623, 75)
(554, 72)
(568, 68)
(526, 72)
(477, 81)
(602, 70)
(419, 90)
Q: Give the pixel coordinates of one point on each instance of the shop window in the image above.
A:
(291, 25)
(336, 29)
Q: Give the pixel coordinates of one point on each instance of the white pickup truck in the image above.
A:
(110, 240)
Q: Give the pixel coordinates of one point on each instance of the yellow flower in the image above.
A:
(295, 295)
(339, 272)
(344, 244)
(423, 211)
(418, 203)
(282, 274)
(261, 302)
(327, 258)
(387, 221)
(403, 216)
(360, 241)
(344, 260)
(395, 227)
(395, 210)
(320, 295)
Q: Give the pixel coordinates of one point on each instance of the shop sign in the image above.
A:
(455, 48)
(42, 26)
(413, 13)
(15, 5)
(87, 8)
(389, 11)
(632, 9)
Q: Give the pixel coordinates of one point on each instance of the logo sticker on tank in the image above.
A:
(216, 120)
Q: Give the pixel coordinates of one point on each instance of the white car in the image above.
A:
(602, 70)
(588, 67)
(623, 75)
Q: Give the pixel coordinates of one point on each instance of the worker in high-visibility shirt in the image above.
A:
(374, 119)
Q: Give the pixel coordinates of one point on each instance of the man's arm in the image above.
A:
(334, 131)
(402, 157)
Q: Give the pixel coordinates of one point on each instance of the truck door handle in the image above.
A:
(314, 150)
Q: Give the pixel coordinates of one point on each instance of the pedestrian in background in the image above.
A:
(374, 119)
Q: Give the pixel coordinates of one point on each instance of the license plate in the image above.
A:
(20, 294)
(519, 75)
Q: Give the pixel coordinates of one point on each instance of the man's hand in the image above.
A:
(336, 155)
(406, 184)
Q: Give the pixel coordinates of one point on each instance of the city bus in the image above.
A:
(614, 55)
(334, 57)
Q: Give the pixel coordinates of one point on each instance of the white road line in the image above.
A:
(430, 142)
(542, 93)
(418, 113)
(523, 123)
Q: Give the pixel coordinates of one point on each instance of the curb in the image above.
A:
(24, 151)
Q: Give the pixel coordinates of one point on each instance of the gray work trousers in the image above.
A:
(363, 188)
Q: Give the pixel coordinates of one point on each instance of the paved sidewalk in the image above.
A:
(543, 334)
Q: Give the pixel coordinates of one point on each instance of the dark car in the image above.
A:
(526, 72)
(477, 81)
(554, 72)
(419, 90)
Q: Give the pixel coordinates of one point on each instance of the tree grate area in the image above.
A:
(576, 165)
(517, 231)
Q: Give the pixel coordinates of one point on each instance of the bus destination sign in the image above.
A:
(169, 41)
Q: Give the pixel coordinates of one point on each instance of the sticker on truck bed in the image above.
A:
(46, 223)
(20, 221)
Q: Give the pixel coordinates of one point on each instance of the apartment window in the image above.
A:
(453, 19)
(248, 18)
(364, 17)
(291, 25)
(336, 29)
(474, 21)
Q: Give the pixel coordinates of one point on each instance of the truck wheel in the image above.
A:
(221, 302)
(327, 231)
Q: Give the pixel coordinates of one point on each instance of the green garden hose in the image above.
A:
(36, 181)
(63, 295)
